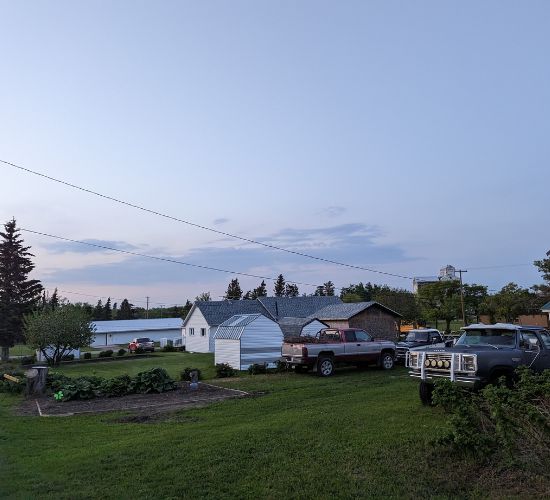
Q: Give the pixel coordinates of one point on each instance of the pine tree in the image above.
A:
(54, 300)
(125, 311)
(320, 291)
(98, 311)
(279, 289)
(248, 295)
(18, 294)
(261, 291)
(329, 288)
(234, 290)
(107, 310)
(291, 290)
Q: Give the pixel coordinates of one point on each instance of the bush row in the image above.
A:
(87, 387)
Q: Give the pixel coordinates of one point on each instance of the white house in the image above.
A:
(204, 318)
(121, 332)
(246, 339)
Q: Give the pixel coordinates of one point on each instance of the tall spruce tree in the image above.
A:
(291, 290)
(279, 289)
(329, 288)
(234, 290)
(18, 294)
(98, 311)
(107, 310)
(125, 311)
(261, 291)
(54, 300)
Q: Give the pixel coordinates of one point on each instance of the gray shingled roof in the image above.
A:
(296, 307)
(292, 327)
(546, 307)
(346, 311)
(217, 311)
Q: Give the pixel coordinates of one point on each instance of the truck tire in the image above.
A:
(387, 361)
(425, 392)
(325, 367)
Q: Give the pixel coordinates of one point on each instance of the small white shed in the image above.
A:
(245, 339)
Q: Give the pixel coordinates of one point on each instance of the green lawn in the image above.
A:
(357, 434)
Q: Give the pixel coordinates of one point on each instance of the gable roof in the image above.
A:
(234, 327)
(346, 311)
(546, 307)
(215, 312)
(296, 307)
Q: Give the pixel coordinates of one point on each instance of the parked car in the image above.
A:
(144, 342)
(482, 355)
(419, 338)
(333, 346)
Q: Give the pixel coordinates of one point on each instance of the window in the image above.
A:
(349, 335)
(545, 336)
(191, 332)
(529, 341)
(203, 332)
(362, 336)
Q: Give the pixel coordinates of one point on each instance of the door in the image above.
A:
(530, 347)
(360, 346)
(543, 360)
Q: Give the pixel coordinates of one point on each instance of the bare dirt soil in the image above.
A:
(182, 397)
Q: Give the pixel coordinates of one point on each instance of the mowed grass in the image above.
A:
(358, 434)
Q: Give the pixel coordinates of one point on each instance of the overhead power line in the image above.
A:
(199, 226)
(165, 259)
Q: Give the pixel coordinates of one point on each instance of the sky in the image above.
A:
(395, 136)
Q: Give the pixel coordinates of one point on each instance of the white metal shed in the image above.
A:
(245, 339)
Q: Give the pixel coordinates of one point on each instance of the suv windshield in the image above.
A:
(489, 336)
(143, 340)
(417, 337)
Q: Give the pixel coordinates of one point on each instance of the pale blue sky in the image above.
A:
(396, 135)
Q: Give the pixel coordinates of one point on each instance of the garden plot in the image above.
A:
(181, 398)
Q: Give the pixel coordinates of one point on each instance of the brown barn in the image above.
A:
(373, 317)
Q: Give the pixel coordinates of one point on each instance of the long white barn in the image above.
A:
(121, 332)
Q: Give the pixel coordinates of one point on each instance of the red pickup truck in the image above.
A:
(334, 346)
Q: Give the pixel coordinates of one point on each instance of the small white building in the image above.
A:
(121, 332)
(298, 327)
(246, 339)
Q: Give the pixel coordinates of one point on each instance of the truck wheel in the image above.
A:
(325, 367)
(426, 393)
(387, 361)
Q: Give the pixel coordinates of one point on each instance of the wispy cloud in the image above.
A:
(333, 211)
(220, 221)
(68, 246)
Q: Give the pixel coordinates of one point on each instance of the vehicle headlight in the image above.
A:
(413, 359)
(469, 363)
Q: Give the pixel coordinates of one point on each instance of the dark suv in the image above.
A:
(144, 342)
(419, 338)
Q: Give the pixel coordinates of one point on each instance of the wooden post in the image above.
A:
(36, 380)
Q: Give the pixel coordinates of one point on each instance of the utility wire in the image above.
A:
(199, 226)
(164, 259)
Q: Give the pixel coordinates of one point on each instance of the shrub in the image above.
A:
(186, 374)
(154, 380)
(139, 350)
(106, 354)
(13, 387)
(87, 355)
(56, 380)
(67, 357)
(281, 366)
(509, 424)
(121, 352)
(117, 386)
(28, 360)
(169, 348)
(224, 370)
(257, 368)
(86, 387)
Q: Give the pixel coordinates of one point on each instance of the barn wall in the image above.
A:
(337, 323)
(377, 322)
(228, 351)
(261, 342)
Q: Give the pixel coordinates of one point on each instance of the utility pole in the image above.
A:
(147, 310)
(460, 271)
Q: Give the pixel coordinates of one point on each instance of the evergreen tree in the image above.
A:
(543, 266)
(248, 295)
(320, 291)
(54, 300)
(18, 294)
(98, 311)
(107, 310)
(114, 314)
(203, 297)
(279, 290)
(261, 291)
(186, 308)
(329, 289)
(234, 290)
(125, 311)
(291, 290)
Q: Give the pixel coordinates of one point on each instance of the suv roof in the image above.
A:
(502, 326)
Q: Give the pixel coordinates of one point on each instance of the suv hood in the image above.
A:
(464, 349)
